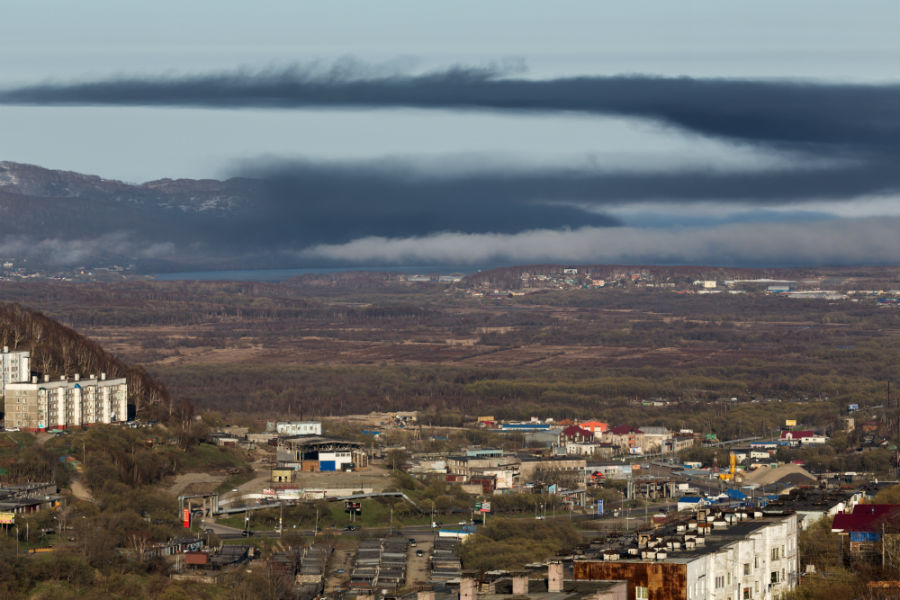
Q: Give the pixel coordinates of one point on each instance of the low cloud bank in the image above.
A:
(825, 242)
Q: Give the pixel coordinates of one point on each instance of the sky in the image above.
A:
(484, 133)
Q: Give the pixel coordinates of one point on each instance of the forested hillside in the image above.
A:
(58, 350)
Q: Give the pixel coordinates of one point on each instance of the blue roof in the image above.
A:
(690, 499)
(736, 494)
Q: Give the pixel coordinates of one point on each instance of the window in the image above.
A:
(775, 553)
(747, 594)
(774, 577)
(720, 582)
(729, 579)
(641, 592)
(746, 568)
(756, 561)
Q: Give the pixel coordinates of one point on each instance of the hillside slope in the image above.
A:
(58, 350)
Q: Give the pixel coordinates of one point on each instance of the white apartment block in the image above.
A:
(288, 428)
(742, 555)
(41, 405)
(15, 366)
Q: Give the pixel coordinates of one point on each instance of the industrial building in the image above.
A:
(713, 556)
(62, 403)
(317, 453)
(289, 428)
(15, 366)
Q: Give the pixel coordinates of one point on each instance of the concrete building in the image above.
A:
(316, 453)
(714, 556)
(42, 405)
(15, 367)
(288, 428)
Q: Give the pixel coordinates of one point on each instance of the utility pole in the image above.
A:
(316, 530)
(281, 520)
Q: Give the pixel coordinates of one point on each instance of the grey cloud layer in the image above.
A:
(837, 242)
(796, 114)
(388, 211)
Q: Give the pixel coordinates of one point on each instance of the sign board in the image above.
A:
(478, 506)
(790, 423)
(600, 507)
(187, 518)
(485, 507)
(7, 518)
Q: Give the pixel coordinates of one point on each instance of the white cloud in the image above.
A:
(823, 242)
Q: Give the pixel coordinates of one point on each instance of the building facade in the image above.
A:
(15, 366)
(41, 405)
(734, 556)
(288, 428)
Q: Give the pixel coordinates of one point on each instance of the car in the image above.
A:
(340, 571)
(351, 528)
(209, 530)
(12, 429)
(246, 533)
(419, 553)
(412, 542)
(234, 489)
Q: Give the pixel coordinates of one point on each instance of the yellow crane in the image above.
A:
(732, 467)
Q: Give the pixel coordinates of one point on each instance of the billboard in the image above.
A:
(7, 518)
(186, 517)
(790, 423)
(600, 507)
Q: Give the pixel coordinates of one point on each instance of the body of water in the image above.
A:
(283, 274)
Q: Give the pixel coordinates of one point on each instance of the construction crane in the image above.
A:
(732, 468)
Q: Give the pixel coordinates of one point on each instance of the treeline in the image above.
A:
(58, 350)
(699, 399)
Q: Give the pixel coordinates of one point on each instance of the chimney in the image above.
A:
(520, 584)
(93, 376)
(467, 588)
(34, 379)
(77, 377)
(102, 376)
(62, 377)
(46, 378)
(555, 577)
(5, 349)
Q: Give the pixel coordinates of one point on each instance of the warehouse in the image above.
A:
(317, 453)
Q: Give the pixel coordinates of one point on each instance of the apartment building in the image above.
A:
(740, 555)
(58, 404)
(15, 366)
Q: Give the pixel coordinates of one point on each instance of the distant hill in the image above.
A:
(58, 350)
(61, 218)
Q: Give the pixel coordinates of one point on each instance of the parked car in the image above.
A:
(419, 553)
(412, 542)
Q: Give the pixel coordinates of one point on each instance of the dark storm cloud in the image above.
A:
(793, 114)
(327, 202)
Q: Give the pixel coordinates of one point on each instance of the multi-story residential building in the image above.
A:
(40, 405)
(15, 366)
(715, 556)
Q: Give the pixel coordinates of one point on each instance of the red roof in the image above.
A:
(575, 431)
(868, 517)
